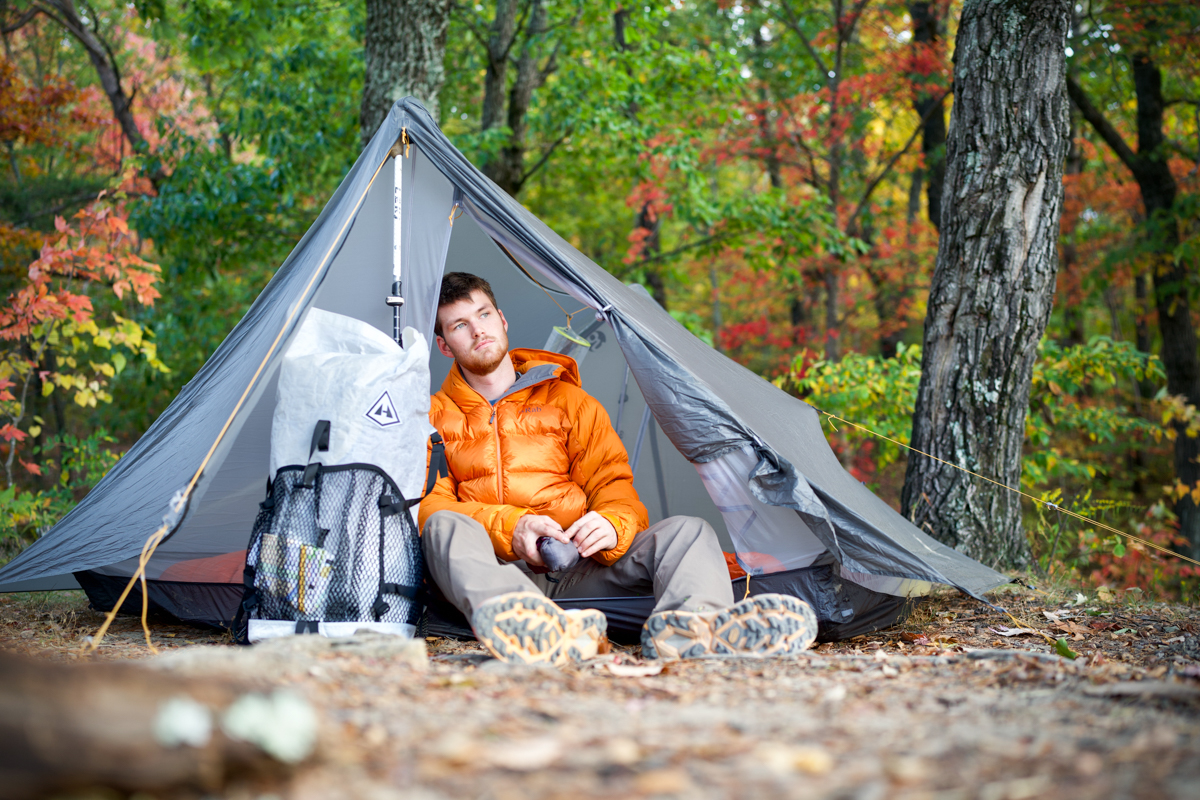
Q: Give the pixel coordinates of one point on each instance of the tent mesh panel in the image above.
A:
(341, 549)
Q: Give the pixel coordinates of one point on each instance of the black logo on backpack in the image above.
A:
(383, 412)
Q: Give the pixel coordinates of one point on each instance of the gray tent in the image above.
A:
(707, 437)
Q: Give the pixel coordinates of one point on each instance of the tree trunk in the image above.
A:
(1171, 277)
(1072, 273)
(509, 105)
(927, 31)
(993, 285)
(104, 61)
(405, 45)
(1171, 280)
(495, 77)
(647, 220)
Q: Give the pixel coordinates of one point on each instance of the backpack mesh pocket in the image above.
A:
(340, 546)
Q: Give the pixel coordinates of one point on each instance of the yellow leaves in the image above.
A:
(1180, 490)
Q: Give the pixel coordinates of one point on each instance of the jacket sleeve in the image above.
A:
(600, 465)
(498, 520)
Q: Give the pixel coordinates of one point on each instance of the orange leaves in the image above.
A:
(98, 247)
(30, 113)
(54, 312)
(11, 433)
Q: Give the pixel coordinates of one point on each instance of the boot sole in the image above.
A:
(529, 628)
(765, 625)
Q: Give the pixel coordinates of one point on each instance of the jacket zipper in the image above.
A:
(499, 476)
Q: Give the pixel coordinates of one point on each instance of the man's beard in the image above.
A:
(484, 363)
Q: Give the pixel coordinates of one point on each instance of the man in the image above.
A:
(532, 455)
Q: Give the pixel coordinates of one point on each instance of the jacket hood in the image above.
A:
(525, 359)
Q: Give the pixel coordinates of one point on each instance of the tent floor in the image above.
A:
(844, 610)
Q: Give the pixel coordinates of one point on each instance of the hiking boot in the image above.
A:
(529, 628)
(764, 625)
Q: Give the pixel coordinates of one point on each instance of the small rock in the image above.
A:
(662, 781)
(624, 752)
(524, 755)
(783, 759)
(905, 770)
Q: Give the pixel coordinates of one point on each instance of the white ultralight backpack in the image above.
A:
(335, 547)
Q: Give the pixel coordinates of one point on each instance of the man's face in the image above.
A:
(474, 333)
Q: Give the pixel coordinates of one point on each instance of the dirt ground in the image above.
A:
(959, 702)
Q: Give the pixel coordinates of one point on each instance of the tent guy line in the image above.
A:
(180, 503)
(1046, 503)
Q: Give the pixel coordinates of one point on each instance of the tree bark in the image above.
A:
(931, 108)
(1171, 277)
(993, 285)
(405, 44)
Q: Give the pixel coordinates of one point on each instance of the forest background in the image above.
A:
(771, 170)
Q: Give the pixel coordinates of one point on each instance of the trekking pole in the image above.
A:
(396, 298)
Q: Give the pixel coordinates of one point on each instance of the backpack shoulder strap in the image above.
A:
(437, 467)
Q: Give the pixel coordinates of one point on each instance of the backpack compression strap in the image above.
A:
(320, 441)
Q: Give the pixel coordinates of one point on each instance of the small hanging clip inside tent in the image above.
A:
(404, 140)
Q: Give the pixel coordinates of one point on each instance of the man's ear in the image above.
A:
(442, 348)
(502, 319)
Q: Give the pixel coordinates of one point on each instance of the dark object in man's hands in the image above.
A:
(557, 555)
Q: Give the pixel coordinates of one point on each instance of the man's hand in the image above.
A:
(529, 529)
(592, 533)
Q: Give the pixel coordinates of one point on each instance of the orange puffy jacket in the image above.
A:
(546, 447)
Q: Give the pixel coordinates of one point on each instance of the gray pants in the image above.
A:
(678, 561)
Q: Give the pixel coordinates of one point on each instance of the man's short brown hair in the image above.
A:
(459, 286)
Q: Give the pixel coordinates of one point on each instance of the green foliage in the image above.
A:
(26, 514)
(1091, 554)
(1080, 419)
(282, 82)
(1078, 427)
(877, 393)
(694, 324)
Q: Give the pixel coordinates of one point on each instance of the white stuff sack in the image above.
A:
(374, 393)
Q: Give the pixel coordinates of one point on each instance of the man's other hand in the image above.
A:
(592, 533)
(529, 529)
